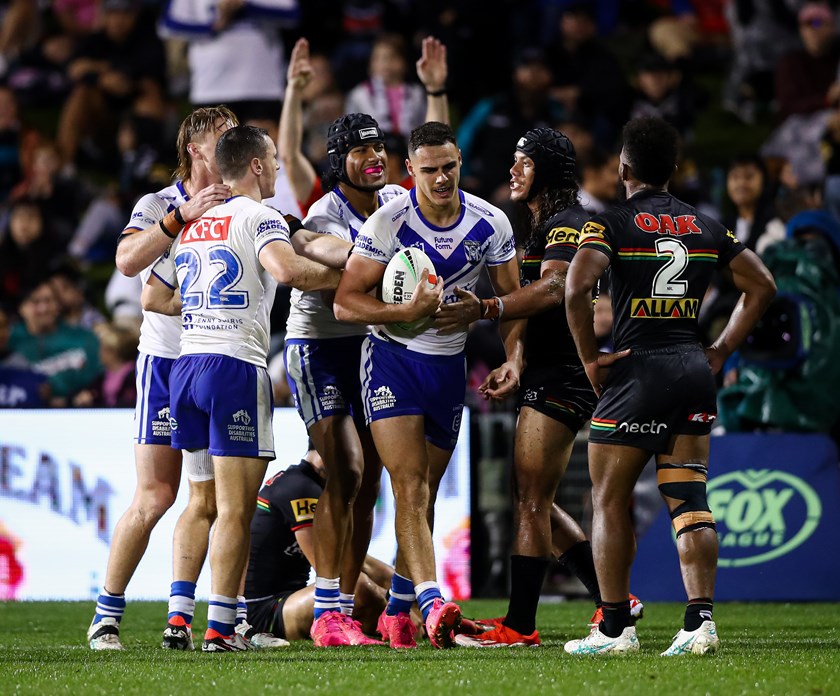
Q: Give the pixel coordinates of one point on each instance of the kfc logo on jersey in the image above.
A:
(665, 224)
(206, 229)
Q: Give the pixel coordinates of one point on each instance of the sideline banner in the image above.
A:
(776, 502)
(66, 477)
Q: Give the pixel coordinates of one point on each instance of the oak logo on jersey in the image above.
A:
(562, 235)
(654, 308)
(665, 224)
(304, 508)
(206, 229)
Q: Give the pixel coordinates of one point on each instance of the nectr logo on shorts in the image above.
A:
(605, 426)
(655, 308)
(761, 515)
(206, 229)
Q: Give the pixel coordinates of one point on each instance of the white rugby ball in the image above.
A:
(402, 274)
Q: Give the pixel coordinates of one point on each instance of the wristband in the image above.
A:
(294, 224)
(170, 225)
(178, 217)
(491, 309)
(501, 307)
(166, 231)
(438, 93)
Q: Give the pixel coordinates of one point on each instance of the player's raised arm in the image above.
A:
(432, 72)
(288, 268)
(299, 170)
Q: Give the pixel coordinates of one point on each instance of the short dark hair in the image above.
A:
(651, 148)
(748, 159)
(237, 147)
(432, 134)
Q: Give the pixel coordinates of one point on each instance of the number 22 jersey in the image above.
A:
(662, 254)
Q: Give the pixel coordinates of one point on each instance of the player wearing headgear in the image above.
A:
(555, 398)
(155, 221)
(659, 399)
(414, 384)
(322, 358)
(221, 393)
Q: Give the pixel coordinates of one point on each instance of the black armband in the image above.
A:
(438, 93)
(178, 217)
(166, 231)
(295, 225)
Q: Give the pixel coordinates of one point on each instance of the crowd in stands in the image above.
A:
(92, 92)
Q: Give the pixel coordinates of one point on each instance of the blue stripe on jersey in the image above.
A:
(413, 194)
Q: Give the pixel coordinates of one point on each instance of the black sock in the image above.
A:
(527, 574)
(616, 618)
(696, 612)
(578, 560)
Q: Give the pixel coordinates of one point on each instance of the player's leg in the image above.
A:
(370, 602)
(158, 470)
(189, 548)
(337, 442)
(237, 483)
(293, 617)
(363, 508)
(681, 475)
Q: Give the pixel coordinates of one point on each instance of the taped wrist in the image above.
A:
(492, 309)
(686, 483)
(170, 225)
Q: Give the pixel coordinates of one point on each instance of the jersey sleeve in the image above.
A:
(561, 243)
(728, 246)
(294, 497)
(376, 239)
(325, 218)
(270, 227)
(148, 211)
(597, 234)
(164, 268)
(502, 246)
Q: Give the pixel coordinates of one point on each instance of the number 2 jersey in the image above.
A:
(225, 291)
(662, 254)
(481, 236)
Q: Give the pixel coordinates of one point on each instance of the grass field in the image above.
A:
(766, 649)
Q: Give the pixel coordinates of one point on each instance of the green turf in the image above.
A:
(767, 649)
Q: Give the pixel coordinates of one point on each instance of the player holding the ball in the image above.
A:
(414, 381)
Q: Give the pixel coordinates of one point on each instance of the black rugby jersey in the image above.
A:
(548, 339)
(285, 504)
(662, 254)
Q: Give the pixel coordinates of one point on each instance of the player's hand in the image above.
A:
(598, 369)
(427, 296)
(457, 315)
(501, 382)
(205, 199)
(432, 70)
(716, 358)
(299, 72)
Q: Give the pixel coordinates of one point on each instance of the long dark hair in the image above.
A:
(550, 201)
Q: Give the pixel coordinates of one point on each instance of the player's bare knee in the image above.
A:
(202, 502)
(685, 484)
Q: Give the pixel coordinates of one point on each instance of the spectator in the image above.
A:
(20, 387)
(235, 52)
(69, 287)
(663, 93)
(588, 77)
(67, 355)
(599, 181)
(115, 387)
(10, 134)
(397, 106)
(806, 85)
(761, 32)
(27, 247)
(754, 221)
(487, 131)
(117, 69)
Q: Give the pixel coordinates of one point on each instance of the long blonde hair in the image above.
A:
(199, 122)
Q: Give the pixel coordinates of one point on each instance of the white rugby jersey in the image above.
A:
(481, 236)
(159, 334)
(330, 214)
(226, 294)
